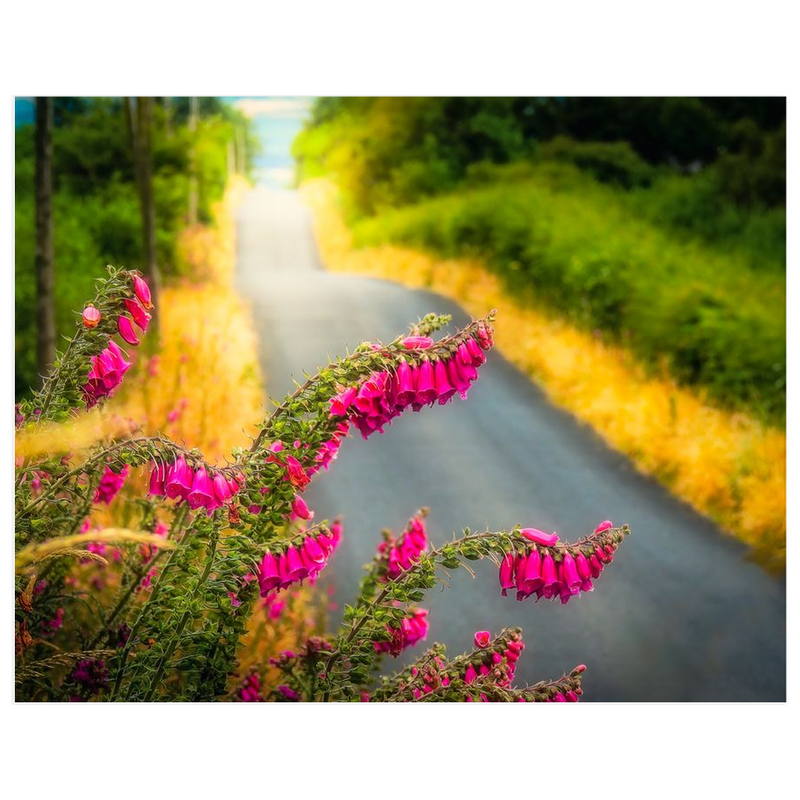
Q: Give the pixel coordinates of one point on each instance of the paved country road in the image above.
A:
(679, 615)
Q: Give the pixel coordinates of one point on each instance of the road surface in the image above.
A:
(679, 615)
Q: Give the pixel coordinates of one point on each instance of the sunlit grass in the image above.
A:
(727, 465)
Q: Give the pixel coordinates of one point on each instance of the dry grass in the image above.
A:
(204, 385)
(727, 465)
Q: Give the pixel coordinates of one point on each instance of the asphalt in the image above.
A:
(680, 615)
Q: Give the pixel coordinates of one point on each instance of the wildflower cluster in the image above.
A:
(181, 581)
(551, 570)
(384, 395)
(199, 487)
(93, 365)
(396, 555)
(305, 557)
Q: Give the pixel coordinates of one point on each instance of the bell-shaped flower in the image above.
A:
(179, 479)
(426, 388)
(138, 314)
(202, 493)
(125, 328)
(444, 389)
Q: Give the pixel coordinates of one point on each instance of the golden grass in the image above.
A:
(35, 553)
(203, 386)
(727, 465)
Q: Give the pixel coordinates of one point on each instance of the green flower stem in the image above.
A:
(125, 598)
(150, 600)
(373, 604)
(133, 444)
(162, 665)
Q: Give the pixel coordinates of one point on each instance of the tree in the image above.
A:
(139, 121)
(45, 314)
(193, 197)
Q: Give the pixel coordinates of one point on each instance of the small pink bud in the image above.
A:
(142, 291)
(91, 317)
(417, 342)
(540, 537)
(604, 526)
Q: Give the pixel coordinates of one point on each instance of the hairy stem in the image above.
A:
(162, 665)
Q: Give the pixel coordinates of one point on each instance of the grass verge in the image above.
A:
(727, 465)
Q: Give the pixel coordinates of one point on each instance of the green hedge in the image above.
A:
(565, 243)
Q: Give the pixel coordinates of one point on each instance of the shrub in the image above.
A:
(609, 162)
(165, 619)
(718, 322)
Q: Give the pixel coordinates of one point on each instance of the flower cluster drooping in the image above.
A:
(108, 370)
(553, 570)
(397, 555)
(109, 367)
(110, 484)
(305, 559)
(413, 629)
(200, 487)
(384, 395)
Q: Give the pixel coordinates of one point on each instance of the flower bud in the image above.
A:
(91, 317)
(142, 291)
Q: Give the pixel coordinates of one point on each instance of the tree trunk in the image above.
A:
(140, 130)
(193, 198)
(45, 311)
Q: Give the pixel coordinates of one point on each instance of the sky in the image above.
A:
(276, 120)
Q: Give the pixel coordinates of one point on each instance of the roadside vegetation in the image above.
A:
(641, 275)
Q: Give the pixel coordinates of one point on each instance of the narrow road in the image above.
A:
(679, 615)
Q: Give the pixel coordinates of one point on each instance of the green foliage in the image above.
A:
(660, 222)
(96, 208)
(169, 627)
(719, 322)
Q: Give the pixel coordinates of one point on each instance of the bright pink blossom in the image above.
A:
(106, 373)
(138, 314)
(110, 484)
(413, 629)
(126, 331)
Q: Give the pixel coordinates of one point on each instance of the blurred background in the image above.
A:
(636, 249)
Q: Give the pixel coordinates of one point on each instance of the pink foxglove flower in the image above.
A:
(138, 314)
(558, 570)
(413, 629)
(397, 555)
(105, 375)
(126, 331)
(300, 509)
(110, 484)
(179, 480)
